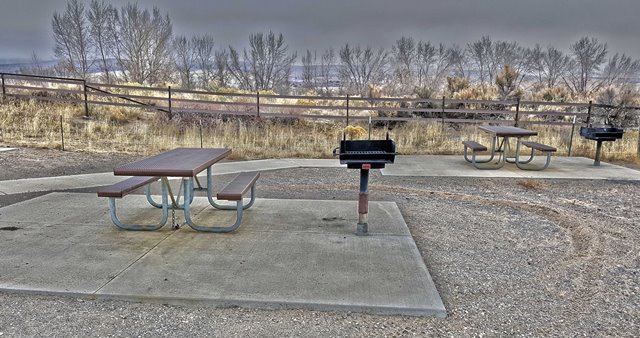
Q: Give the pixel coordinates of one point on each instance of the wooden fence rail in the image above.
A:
(172, 101)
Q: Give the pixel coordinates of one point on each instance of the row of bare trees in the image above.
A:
(134, 44)
(133, 41)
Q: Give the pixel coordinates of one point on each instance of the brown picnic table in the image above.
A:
(500, 145)
(185, 163)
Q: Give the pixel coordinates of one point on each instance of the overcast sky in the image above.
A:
(25, 25)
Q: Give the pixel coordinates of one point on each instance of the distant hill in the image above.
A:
(14, 65)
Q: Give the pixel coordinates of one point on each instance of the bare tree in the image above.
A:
(589, 55)
(72, 44)
(221, 60)
(434, 63)
(481, 54)
(404, 57)
(185, 60)
(512, 54)
(459, 62)
(327, 70)
(100, 16)
(143, 44)
(265, 66)
(204, 58)
(555, 65)
(309, 70)
(239, 70)
(620, 70)
(362, 67)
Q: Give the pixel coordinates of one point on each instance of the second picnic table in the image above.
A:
(500, 140)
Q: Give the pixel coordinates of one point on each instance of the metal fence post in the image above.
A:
(347, 109)
(86, 103)
(573, 128)
(257, 103)
(589, 113)
(61, 133)
(442, 117)
(200, 133)
(4, 90)
(517, 112)
(638, 148)
(170, 110)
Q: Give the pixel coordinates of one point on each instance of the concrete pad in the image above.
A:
(560, 168)
(287, 253)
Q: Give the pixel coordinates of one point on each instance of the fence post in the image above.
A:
(257, 103)
(589, 113)
(573, 128)
(442, 117)
(4, 90)
(347, 109)
(638, 148)
(517, 112)
(170, 110)
(61, 132)
(200, 133)
(86, 103)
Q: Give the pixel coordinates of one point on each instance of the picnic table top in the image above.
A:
(505, 131)
(179, 162)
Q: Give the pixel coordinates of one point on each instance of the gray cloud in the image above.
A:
(317, 25)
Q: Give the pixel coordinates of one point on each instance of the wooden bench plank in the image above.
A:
(538, 146)
(238, 187)
(475, 146)
(122, 188)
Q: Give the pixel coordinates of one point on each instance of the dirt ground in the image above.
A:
(510, 257)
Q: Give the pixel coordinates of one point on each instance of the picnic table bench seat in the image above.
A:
(474, 146)
(239, 186)
(123, 188)
(545, 149)
(538, 146)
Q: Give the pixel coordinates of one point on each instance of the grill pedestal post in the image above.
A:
(363, 202)
(596, 162)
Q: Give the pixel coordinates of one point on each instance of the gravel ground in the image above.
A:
(510, 257)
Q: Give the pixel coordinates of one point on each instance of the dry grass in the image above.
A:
(532, 184)
(32, 123)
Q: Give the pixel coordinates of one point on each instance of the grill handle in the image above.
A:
(335, 151)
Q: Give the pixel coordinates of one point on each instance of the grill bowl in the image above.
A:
(377, 153)
(601, 133)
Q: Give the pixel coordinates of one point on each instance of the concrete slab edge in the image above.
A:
(249, 304)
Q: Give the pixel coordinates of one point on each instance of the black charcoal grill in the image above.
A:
(601, 134)
(365, 155)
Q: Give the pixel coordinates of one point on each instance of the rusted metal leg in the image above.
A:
(363, 203)
(596, 162)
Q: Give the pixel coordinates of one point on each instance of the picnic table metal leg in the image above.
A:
(147, 192)
(522, 165)
(531, 156)
(225, 206)
(501, 156)
(473, 156)
(188, 188)
(141, 227)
